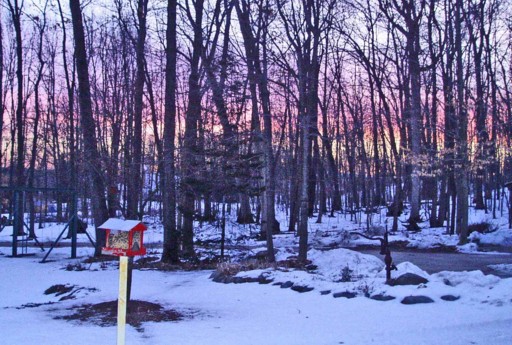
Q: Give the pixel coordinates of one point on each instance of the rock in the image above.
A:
(228, 280)
(346, 294)
(381, 297)
(287, 285)
(325, 292)
(264, 280)
(218, 277)
(311, 267)
(59, 289)
(241, 280)
(417, 300)
(447, 282)
(408, 279)
(238, 280)
(302, 289)
(450, 298)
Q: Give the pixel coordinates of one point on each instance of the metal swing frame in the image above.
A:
(72, 223)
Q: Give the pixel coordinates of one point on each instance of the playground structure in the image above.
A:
(18, 201)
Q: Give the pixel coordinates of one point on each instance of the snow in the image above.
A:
(505, 268)
(119, 224)
(406, 267)
(468, 248)
(329, 262)
(431, 238)
(252, 313)
(469, 279)
(501, 236)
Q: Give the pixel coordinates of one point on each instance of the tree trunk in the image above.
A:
(190, 149)
(91, 155)
(171, 235)
(303, 214)
(33, 157)
(70, 87)
(461, 179)
(134, 192)
(16, 11)
(258, 77)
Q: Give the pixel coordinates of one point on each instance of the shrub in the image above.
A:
(231, 269)
(346, 274)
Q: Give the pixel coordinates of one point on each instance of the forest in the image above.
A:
(189, 109)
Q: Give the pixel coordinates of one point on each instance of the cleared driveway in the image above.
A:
(433, 262)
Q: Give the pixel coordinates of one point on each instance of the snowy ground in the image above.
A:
(255, 313)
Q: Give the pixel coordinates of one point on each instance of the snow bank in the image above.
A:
(403, 268)
(468, 279)
(500, 237)
(331, 263)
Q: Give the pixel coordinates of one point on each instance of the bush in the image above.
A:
(346, 275)
(231, 269)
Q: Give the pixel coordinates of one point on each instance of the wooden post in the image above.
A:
(121, 302)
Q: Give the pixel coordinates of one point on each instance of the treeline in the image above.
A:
(316, 106)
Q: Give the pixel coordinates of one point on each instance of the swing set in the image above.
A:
(19, 197)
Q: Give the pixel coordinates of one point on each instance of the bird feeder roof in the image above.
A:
(122, 225)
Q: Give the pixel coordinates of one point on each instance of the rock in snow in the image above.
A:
(417, 300)
(408, 279)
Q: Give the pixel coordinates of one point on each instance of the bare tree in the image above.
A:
(411, 12)
(258, 80)
(40, 22)
(305, 25)
(190, 148)
(15, 9)
(171, 236)
(461, 149)
(134, 183)
(91, 155)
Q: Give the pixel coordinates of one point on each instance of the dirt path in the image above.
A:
(436, 262)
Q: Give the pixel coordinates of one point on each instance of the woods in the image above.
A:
(180, 111)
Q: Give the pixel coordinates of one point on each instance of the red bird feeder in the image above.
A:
(124, 237)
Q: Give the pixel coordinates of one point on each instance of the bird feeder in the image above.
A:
(123, 237)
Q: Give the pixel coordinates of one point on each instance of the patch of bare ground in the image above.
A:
(32, 305)
(67, 291)
(194, 264)
(105, 314)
